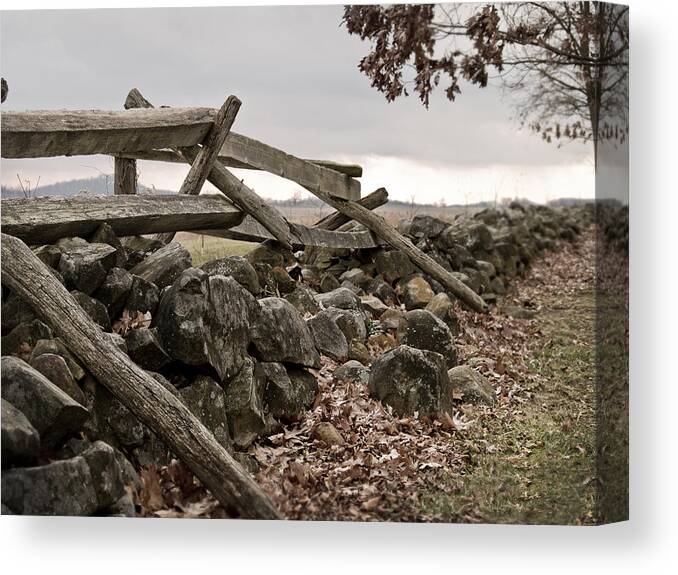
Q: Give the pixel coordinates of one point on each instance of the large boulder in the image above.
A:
(328, 338)
(471, 385)
(412, 380)
(342, 298)
(289, 391)
(204, 320)
(425, 331)
(280, 334)
(238, 268)
(20, 440)
(53, 413)
(84, 266)
(207, 401)
(82, 485)
(58, 488)
(245, 412)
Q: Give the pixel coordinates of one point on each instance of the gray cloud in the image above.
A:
(294, 68)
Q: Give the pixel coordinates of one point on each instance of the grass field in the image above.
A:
(206, 248)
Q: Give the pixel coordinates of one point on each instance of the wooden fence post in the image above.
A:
(124, 176)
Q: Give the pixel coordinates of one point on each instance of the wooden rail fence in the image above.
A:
(201, 137)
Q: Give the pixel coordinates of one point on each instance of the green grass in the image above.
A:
(207, 248)
(541, 469)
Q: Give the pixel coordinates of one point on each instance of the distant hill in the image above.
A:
(97, 186)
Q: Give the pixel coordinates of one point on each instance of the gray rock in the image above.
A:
(373, 305)
(393, 265)
(351, 322)
(143, 296)
(52, 412)
(416, 293)
(423, 330)
(289, 391)
(207, 401)
(518, 312)
(57, 347)
(354, 288)
(393, 318)
(411, 380)
(280, 334)
(238, 268)
(164, 266)
(84, 267)
(442, 307)
(356, 276)
(486, 267)
(20, 440)
(328, 338)
(352, 371)
(55, 368)
(58, 488)
(341, 298)
(113, 422)
(117, 340)
(48, 255)
(424, 226)
(245, 405)
(497, 286)
(114, 291)
(205, 320)
(328, 283)
(96, 311)
(268, 255)
(145, 245)
(106, 476)
(145, 349)
(358, 350)
(383, 291)
(302, 298)
(473, 386)
(14, 312)
(106, 235)
(282, 281)
(25, 335)
(123, 507)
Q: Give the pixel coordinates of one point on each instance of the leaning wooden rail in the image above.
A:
(155, 406)
(45, 220)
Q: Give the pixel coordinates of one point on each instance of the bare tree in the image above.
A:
(567, 62)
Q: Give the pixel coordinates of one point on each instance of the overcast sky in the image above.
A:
(295, 69)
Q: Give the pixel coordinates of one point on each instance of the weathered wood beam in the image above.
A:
(231, 187)
(335, 220)
(45, 220)
(47, 133)
(251, 231)
(164, 413)
(124, 176)
(204, 160)
(308, 175)
(351, 170)
(391, 236)
(254, 154)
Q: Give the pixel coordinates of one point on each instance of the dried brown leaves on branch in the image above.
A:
(566, 61)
